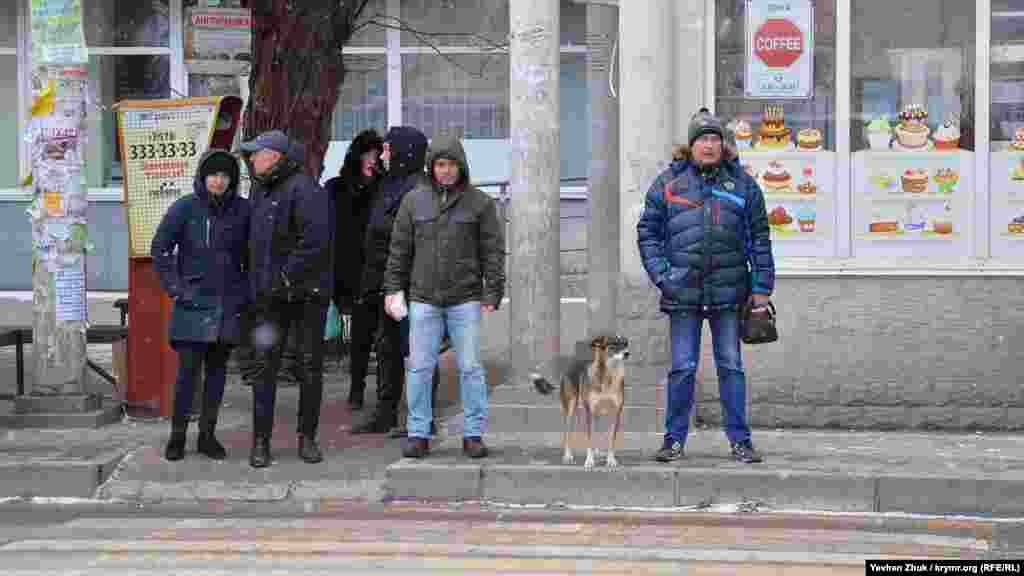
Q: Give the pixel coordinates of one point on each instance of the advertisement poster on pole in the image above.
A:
(779, 50)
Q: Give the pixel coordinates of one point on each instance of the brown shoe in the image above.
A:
(416, 447)
(474, 447)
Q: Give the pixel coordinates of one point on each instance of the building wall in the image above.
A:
(855, 352)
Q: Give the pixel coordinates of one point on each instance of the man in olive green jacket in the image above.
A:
(447, 259)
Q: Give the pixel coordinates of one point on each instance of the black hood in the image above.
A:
(365, 141)
(199, 184)
(408, 150)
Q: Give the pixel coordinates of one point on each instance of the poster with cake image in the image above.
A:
(1007, 181)
(911, 195)
(798, 190)
(773, 135)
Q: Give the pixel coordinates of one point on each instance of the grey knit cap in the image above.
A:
(704, 122)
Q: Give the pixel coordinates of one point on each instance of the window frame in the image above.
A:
(178, 79)
(979, 260)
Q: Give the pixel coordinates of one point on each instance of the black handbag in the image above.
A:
(758, 328)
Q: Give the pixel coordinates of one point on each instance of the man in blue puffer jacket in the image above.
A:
(704, 241)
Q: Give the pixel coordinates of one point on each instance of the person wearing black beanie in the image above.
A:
(199, 251)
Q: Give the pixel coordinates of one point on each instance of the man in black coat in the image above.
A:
(351, 192)
(289, 253)
(199, 251)
(405, 153)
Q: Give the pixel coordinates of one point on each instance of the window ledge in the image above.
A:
(854, 269)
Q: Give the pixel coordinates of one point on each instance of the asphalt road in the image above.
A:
(356, 538)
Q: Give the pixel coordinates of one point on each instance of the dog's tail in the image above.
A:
(541, 384)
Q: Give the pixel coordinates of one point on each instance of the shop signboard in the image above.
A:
(161, 144)
(779, 49)
(218, 34)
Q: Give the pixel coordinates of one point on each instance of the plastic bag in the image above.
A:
(333, 329)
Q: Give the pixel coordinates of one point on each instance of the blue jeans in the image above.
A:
(685, 330)
(426, 326)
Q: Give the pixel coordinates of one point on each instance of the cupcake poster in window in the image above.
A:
(773, 134)
(912, 131)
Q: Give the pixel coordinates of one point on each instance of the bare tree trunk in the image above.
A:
(298, 70)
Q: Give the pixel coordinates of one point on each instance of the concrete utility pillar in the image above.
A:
(603, 226)
(647, 102)
(534, 242)
(648, 108)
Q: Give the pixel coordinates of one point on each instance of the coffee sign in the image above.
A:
(780, 49)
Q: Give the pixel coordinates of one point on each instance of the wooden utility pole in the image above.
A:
(58, 210)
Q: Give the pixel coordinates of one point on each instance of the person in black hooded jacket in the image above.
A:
(351, 192)
(404, 157)
(199, 253)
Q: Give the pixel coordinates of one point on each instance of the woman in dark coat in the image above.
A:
(351, 193)
(199, 251)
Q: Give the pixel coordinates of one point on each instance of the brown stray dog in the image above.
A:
(599, 383)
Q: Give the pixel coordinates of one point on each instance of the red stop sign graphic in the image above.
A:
(778, 42)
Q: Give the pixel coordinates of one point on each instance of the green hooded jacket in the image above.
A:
(448, 244)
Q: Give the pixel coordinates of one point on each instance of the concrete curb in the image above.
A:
(57, 478)
(677, 486)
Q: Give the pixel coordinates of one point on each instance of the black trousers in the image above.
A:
(279, 316)
(372, 327)
(192, 358)
(362, 333)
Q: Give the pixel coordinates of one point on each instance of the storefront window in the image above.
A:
(574, 113)
(912, 86)
(573, 19)
(9, 25)
(373, 26)
(736, 100)
(464, 94)
(112, 79)
(775, 86)
(479, 23)
(126, 22)
(363, 100)
(1007, 129)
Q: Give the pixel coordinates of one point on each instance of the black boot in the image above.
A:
(260, 455)
(208, 444)
(176, 444)
(379, 424)
(309, 449)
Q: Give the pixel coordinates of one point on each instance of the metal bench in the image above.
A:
(122, 305)
(19, 336)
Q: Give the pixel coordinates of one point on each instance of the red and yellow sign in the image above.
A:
(778, 43)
